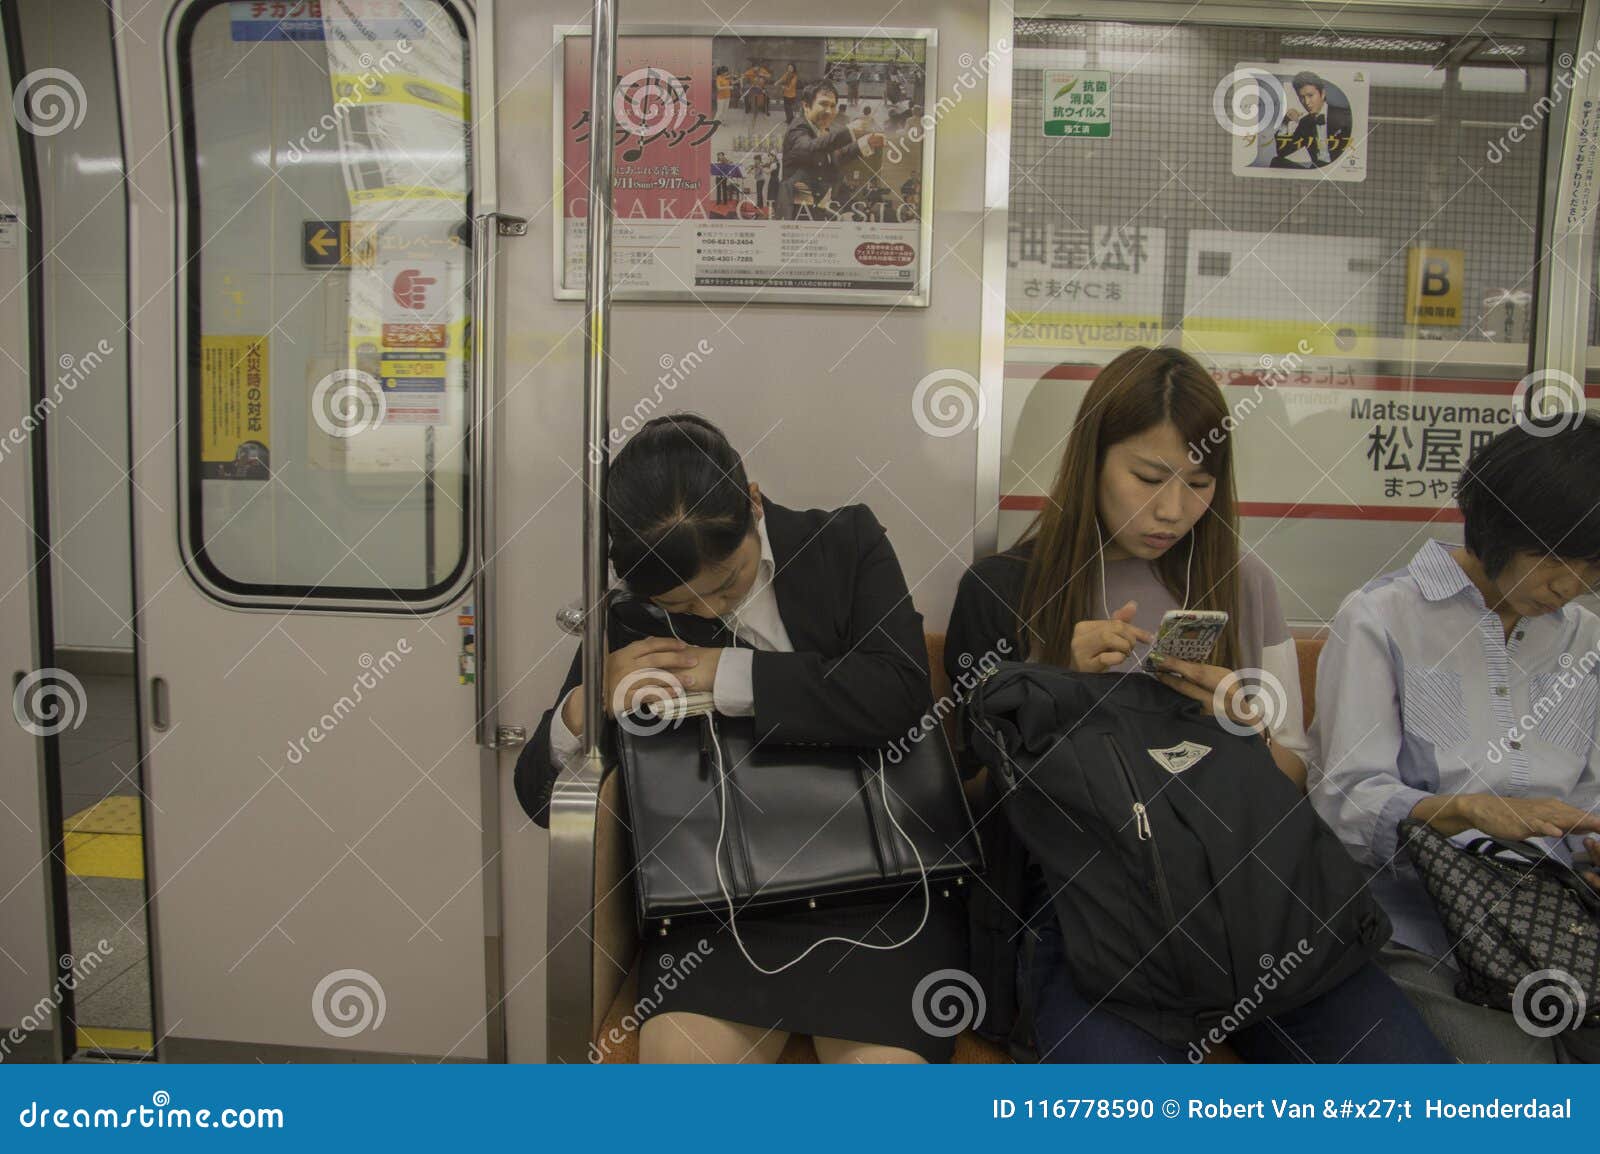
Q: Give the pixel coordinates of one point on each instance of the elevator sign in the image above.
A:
(1433, 285)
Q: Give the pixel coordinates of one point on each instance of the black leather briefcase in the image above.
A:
(797, 825)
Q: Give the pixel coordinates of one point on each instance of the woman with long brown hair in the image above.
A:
(1142, 519)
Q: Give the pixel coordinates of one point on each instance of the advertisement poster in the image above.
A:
(234, 408)
(729, 184)
(1305, 121)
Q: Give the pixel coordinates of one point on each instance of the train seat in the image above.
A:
(614, 934)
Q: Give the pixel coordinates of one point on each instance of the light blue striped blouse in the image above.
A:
(1420, 691)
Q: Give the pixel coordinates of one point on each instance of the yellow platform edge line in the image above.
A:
(106, 855)
(106, 1038)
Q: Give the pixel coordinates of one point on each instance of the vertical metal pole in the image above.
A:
(571, 988)
(596, 395)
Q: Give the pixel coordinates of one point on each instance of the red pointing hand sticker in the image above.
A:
(411, 288)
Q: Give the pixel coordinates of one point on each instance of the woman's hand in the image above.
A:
(1591, 875)
(704, 677)
(1200, 682)
(652, 664)
(1101, 645)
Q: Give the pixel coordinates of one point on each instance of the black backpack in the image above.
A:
(1197, 889)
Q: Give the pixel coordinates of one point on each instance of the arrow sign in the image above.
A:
(327, 243)
(323, 242)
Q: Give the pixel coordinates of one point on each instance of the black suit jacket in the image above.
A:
(1303, 134)
(858, 675)
(816, 159)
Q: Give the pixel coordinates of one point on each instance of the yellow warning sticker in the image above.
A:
(235, 409)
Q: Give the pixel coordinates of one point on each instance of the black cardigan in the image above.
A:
(859, 671)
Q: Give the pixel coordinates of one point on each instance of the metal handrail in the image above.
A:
(571, 985)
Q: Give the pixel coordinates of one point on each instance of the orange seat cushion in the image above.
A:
(1308, 649)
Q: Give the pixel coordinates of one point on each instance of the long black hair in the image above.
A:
(677, 500)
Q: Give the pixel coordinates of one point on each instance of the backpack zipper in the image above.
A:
(1147, 836)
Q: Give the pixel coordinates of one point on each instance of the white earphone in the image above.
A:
(1100, 555)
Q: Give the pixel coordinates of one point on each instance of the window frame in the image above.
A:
(188, 331)
(1551, 337)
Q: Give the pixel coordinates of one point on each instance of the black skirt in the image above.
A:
(837, 990)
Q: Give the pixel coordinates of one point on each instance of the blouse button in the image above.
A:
(1499, 690)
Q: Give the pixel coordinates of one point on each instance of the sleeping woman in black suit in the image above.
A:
(802, 620)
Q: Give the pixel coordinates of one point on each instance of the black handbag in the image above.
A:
(1525, 927)
(722, 824)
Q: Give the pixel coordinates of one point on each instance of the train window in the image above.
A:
(326, 276)
(1335, 223)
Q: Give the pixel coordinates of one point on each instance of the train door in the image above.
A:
(35, 1001)
(307, 182)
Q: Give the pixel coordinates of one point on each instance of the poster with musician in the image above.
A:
(1296, 120)
(774, 165)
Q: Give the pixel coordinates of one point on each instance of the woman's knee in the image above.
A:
(838, 1050)
(679, 1037)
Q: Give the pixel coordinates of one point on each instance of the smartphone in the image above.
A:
(1188, 634)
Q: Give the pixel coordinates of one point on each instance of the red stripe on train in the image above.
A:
(1022, 370)
(1027, 502)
